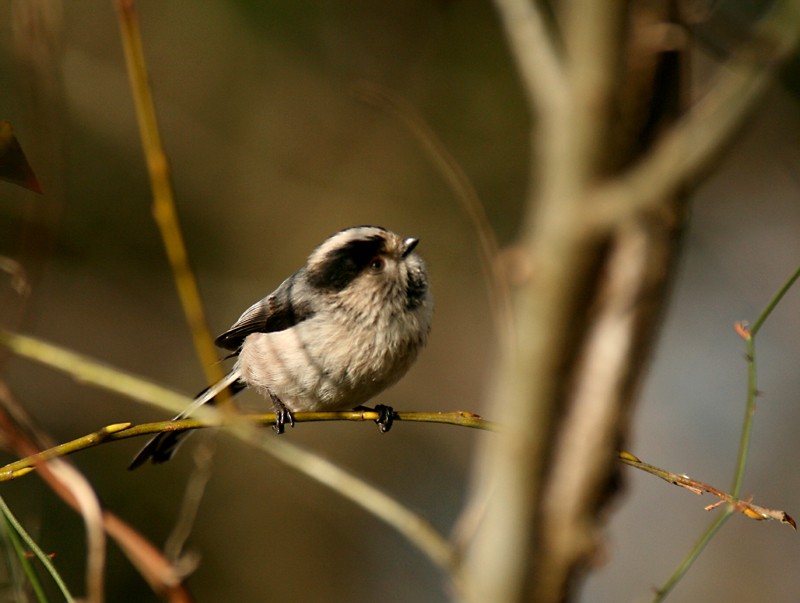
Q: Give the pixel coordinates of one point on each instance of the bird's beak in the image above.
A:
(408, 245)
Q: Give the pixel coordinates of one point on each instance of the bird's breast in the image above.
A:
(326, 365)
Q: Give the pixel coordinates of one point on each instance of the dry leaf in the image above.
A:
(14, 167)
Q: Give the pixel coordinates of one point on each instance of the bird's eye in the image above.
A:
(377, 264)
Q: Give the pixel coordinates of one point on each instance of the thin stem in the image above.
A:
(14, 580)
(463, 190)
(14, 523)
(744, 440)
(123, 431)
(413, 526)
(25, 562)
(752, 382)
(662, 592)
(773, 303)
(164, 209)
(749, 412)
(192, 499)
(745, 507)
(89, 371)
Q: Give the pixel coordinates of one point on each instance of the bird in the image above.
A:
(333, 335)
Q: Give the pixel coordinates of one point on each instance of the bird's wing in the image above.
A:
(276, 312)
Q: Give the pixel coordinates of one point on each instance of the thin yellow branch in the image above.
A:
(418, 530)
(164, 210)
(123, 431)
(91, 372)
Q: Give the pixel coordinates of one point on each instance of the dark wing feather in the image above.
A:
(275, 312)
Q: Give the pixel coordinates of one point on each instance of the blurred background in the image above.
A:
(271, 151)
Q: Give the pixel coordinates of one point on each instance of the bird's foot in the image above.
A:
(282, 414)
(385, 416)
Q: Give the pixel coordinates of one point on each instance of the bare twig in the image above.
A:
(164, 210)
(745, 507)
(414, 527)
(91, 372)
(463, 190)
(92, 514)
(687, 148)
(536, 53)
(190, 504)
(734, 504)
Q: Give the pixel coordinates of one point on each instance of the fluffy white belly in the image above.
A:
(312, 367)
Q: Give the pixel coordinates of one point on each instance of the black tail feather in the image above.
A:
(163, 446)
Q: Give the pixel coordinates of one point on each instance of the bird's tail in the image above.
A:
(162, 447)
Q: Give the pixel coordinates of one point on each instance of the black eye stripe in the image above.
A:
(343, 264)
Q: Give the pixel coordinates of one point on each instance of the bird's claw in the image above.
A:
(282, 414)
(385, 417)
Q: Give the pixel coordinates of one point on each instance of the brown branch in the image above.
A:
(745, 507)
(687, 149)
(586, 302)
(536, 54)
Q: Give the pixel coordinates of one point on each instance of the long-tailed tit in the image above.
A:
(337, 332)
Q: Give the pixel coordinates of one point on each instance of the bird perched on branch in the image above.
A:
(340, 330)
